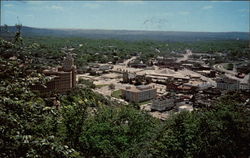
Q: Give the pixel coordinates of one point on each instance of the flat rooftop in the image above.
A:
(138, 88)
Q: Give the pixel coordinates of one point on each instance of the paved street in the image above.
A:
(230, 74)
(190, 72)
(220, 67)
(185, 56)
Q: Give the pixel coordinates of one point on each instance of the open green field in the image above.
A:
(117, 94)
(101, 85)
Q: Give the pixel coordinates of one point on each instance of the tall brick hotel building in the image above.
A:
(63, 78)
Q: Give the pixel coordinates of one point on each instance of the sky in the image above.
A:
(197, 16)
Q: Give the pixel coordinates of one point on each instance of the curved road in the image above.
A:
(185, 56)
(129, 60)
(220, 67)
(231, 74)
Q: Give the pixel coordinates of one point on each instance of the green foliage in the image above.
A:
(101, 85)
(117, 132)
(117, 94)
(221, 131)
(103, 51)
(27, 124)
(87, 83)
(230, 66)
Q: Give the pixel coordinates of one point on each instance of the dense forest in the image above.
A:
(82, 123)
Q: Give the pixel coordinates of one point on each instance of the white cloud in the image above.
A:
(184, 13)
(35, 2)
(207, 7)
(155, 22)
(92, 5)
(55, 7)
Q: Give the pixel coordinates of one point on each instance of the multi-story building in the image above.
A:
(62, 79)
(139, 93)
(245, 86)
(232, 85)
(163, 103)
(227, 84)
(172, 85)
(128, 77)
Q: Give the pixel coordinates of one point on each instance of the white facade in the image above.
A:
(227, 84)
(139, 94)
(244, 86)
(162, 104)
(232, 86)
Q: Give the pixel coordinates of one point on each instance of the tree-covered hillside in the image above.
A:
(133, 35)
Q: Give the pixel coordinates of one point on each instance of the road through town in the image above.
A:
(185, 56)
(220, 67)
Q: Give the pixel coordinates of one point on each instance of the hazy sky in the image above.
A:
(212, 16)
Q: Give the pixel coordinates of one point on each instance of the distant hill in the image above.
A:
(132, 35)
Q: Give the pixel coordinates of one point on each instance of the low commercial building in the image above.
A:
(168, 74)
(100, 69)
(186, 89)
(163, 103)
(105, 67)
(244, 86)
(206, 97)
(137, 65)
(128, 77)
(227, 84)
(208, 73)
(139, 93)
(185, 107)
(172, 85)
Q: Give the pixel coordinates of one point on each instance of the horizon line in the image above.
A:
(54, 28)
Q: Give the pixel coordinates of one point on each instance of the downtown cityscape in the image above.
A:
(125, 79)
